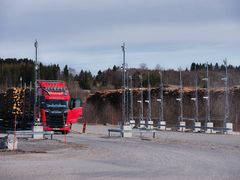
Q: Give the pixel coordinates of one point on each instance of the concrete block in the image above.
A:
(197, 127)
(127, 131)
(132, 123)
(9, 142)
(182, 126)
(3, 142)
(150, 125)
(209, 128)
(37, 132)
(229, 127)
(127, 128)
(142, 124)
(162, 125)
(12, 142)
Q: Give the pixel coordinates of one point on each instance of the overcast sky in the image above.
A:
(87, 34)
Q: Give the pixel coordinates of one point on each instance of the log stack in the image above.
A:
(16, 103)
(2, 97)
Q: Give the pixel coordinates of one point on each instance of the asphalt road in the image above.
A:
(171, 155)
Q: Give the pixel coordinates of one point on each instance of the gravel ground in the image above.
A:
(94, 155)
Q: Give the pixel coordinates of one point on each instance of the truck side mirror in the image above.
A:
(78, 102)
(75, 103)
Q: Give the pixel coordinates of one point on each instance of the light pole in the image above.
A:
(20, 82)
(195, 99)
(207, 98)
(126, 96)
(141, 101)
(35, 81)
(123, 87)
(149, 100)
(161, 100)
(131, 98)
(181, 96)
(226, 114)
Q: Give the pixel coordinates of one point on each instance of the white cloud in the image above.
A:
(90, 32)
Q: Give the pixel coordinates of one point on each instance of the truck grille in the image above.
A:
(55, 120)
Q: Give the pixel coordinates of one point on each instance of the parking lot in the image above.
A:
(94, 155)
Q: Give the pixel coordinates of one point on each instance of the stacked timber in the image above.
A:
(16, 107)
(28, 109)
(2, 97)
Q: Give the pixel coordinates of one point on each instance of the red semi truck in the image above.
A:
(57, 110)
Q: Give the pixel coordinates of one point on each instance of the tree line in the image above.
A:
(112, 77)
(17, 72)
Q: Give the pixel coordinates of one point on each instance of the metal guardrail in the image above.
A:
(140, 131)
(115, 130)
(29, 132)
(145, 130)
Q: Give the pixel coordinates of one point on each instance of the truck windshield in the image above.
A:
(56, 103)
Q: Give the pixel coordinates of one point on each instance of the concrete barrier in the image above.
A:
(162, 125)
(3, 141)
(209, 129)
(9, 142)
(127, 131)
(182, 126)
(37, 132)
(197, 127)
(150, 125)
(229, 127)
(142, 124)
(132, 123)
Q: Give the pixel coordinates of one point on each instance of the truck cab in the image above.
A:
(57, 110)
